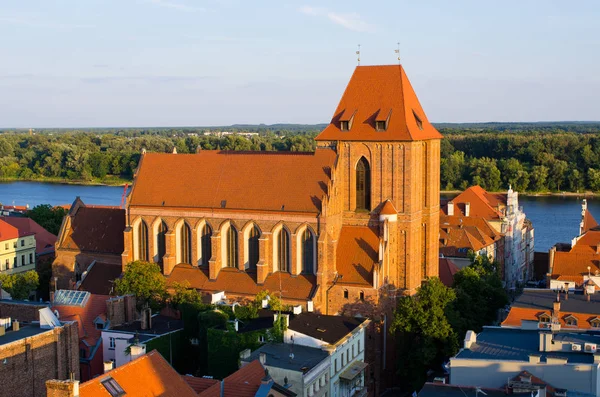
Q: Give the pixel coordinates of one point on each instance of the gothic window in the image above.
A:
(283, 250)
(160, 241)
(308, 251)
(185, 243)
(205, 245)
(142, 243)
(232, 247)
(363, 185)
(253, 237)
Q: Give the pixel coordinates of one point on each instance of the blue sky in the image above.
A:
(96, 63)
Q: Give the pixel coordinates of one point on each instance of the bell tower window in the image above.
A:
(363, 185)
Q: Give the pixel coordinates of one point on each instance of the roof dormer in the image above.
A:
(382, 119)
(346, 119)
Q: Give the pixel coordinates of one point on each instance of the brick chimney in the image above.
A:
(556, 308)
(566, 291)
(450, 208)
(62, 388)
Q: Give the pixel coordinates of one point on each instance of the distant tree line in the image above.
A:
(532, 157)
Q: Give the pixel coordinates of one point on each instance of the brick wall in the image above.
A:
(21, 311)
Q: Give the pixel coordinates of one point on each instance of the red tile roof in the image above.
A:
(97, 230)
(458, 234)
(517, 314)
(99, 279)
(238, 282)
(573, 264)
(357, 253)
(374, 92)
(447, 271)
(588, 221)
(148, 375)
(388, 209)
(199, 384)
(482, 203)
(7, 231)
(264, 181)
(85, 316)
(44, 240)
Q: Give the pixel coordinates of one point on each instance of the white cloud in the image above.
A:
(175, 6)
(352, 21)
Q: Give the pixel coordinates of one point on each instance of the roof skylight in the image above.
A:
(71, 298)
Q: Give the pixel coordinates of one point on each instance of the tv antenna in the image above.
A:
(358, 55)
(397, 51)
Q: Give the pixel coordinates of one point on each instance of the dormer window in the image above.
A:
(344, 125)
(382, 119)
(418, 120)
(595, 323)
(346, 119)
(544, 318)
(380, 125)
(571, 321)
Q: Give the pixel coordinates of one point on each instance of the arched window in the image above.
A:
(363, 185)
(283, 250)
(252, 242)
(185, 243)
(308, 251)
(205, 244)
(142, 243)
(160, 241)
(232, 247)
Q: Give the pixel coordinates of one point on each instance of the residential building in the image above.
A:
(32, 352)
(44, 240)
(503, 213)
(576, 266)
(17, 249)
(568, 359)
(87, 234)
(547, 309)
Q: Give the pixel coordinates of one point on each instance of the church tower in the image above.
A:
(388, 172)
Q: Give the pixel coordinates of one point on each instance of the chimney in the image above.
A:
(137, 350)
(2, 330)
(262, 357)
(470, 338)
(16, 326)
(108, 366)
(62, 388)
(467, 209)
(144, 320)
(566, 291)
(450, 208)
(556, 308)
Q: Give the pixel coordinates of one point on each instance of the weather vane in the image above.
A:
(358, 55)
(397, 51)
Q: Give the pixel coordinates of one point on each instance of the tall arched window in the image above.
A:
(283, 250)
(308, 251)
(232, 247)
(363, 185)
(185, 243)
(160, 241)
(142, 243)
(205, 244)
(252, 242)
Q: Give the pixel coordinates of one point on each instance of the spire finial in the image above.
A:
(358, 55)
(397, 51)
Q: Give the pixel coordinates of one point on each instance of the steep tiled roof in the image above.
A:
(482, 203)
(99, 279)
(458, 234)
(148, 375)
(242, 383)
(388, 209)
(357, 252)
(85, 316)
(199, 384)
(237, 282)
(447, 271)
(327, 328)
(575, 262)
(97, 230)
(44, 240)
(379, 93)
(588, 221)
(264, 181)
(7, 231)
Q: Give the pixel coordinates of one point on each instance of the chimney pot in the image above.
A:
(262, 357)
(108, 366)
(16, 326)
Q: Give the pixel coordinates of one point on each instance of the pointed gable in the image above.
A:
(379, 94)
(588, 221)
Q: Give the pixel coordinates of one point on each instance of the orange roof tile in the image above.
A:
(238, 282)
(482, 203)
(378, 89)
(7, 231)
(96, 230)
(447, 271)
(357, 253)
(44, 240)
(148, 375)
(199, 384)
(588, 221)
(517, 314)
(85, 316)
(575, 264)
(458, 234)
(265, 181)
(388, 209)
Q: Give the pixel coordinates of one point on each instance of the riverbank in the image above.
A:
(62, 181)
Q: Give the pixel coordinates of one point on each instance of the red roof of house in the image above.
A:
(458, 234)
(200, 384)
(482, 203)
(148, 375)
(242, 383)
(263, 181)
(7, 231)
(234, 281)
(388, 209)
(379, 93)
(447, 271)
(99, 279)
(44, 240)
(95, 229)
(517, 314)
(357, 253)
(588, 221)
(85, 316)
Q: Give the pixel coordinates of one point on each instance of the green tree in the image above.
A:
(184, 294)
(485, 173)
(593, 178)
(48, 217)
(20, 285)
(423, 334)
(539, 176)
(146, 282)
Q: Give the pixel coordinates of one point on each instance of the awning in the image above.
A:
(355, 369)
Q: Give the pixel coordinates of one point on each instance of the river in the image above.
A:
(555, 219)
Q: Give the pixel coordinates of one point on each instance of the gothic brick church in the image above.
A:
(342, 224)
